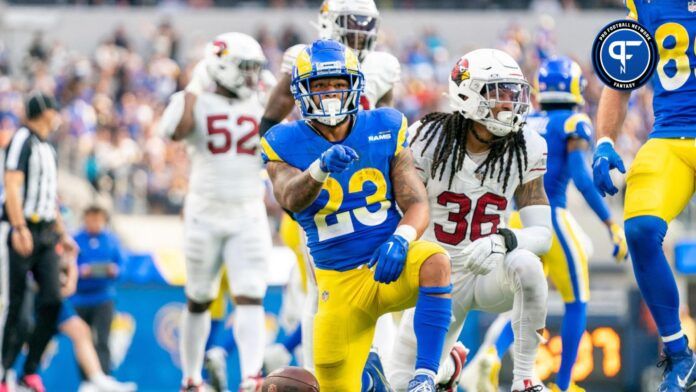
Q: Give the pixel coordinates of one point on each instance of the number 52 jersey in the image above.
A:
(223, 147)
(673, 25)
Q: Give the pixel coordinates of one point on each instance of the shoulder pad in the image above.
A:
(536, 145)
(289, 58)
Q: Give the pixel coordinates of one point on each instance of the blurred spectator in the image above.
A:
(99, 262)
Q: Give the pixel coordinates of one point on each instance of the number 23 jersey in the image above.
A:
(355, 211)
(467, 210)
(673, 25)
(223, 147)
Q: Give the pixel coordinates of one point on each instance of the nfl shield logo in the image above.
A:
(692, 5)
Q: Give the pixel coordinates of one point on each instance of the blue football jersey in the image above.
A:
(355, 212)
(673, 24)
(557, 126)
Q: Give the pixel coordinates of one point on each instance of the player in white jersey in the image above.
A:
(474, 162)
(225, 220)
(355, 24)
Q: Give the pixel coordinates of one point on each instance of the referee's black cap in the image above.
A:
(38, 103)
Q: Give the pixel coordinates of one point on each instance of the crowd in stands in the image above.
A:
(112, 100)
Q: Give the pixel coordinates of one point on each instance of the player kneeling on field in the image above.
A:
(473, 162)
(342, 172)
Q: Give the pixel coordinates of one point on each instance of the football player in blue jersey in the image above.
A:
(342, 172)
(568, 134)
(661, 180)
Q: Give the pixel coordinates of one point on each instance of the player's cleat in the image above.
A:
(572, 388)
(458, 355)
(680, 371)
(528, 385)
(251, 384)
(216, 365)
(275, 357)
(373, 367)
(110, 384)
(190, 386)
(33, 383)
(422, 383)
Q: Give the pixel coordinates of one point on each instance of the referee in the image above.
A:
(32, 210)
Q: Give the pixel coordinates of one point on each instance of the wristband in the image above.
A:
(605, 139)
(510, 239)
(407, 232)
(317, 174)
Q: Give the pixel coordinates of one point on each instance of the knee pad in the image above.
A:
(528, 269)
(252, 286)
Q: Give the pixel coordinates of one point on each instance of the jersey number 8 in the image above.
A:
(677, 53)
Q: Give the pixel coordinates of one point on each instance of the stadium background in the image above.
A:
(113, 64)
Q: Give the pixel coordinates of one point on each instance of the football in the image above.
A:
(290, 379)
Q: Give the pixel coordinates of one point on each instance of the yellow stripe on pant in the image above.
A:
(566, 263)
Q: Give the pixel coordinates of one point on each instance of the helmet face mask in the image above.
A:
(508, 105)
(331, 102)
(354, 23)
(487, 86)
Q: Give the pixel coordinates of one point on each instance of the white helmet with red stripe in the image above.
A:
(485, 78)
(234, 61)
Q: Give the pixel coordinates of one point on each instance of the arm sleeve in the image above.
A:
(172, 115)
(582, 179)
(17, 157)
(535, 236)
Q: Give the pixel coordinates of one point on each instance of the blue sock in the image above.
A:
(644, 235)
(294, 339)
(216, 327)
(505, 340)
(574, 322)
(430, 323)
(367, 384)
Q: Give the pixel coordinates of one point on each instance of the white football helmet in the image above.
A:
(234, 61)
(485, 78)
(353, 23)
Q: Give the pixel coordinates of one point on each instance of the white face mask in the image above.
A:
(331, 107)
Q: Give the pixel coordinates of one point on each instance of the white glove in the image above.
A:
(483, 254)
(200, 79)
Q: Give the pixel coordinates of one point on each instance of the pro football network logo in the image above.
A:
(624, 55)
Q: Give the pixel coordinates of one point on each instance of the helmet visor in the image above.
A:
(357, 31)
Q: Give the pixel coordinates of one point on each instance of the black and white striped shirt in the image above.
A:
(36, 158)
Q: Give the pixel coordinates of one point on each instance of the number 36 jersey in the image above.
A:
(673, 25)
(355, 211)
(467, 210)
(223, 147)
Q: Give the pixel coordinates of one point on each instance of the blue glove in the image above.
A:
(605, 159)
(337, 159)
(390, 258)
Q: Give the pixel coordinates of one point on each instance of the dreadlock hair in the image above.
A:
(449, 131)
